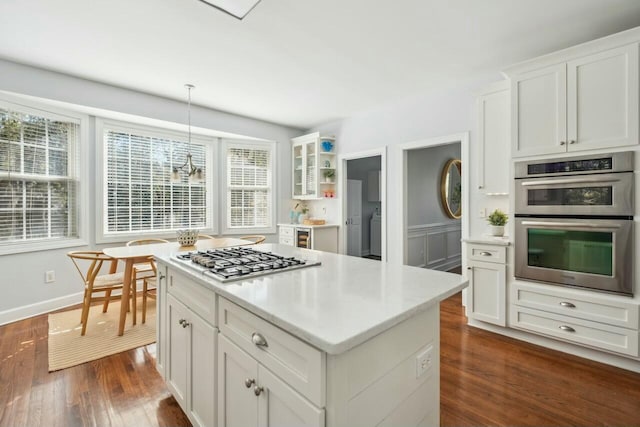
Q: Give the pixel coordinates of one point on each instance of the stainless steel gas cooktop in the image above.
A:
(240, 263)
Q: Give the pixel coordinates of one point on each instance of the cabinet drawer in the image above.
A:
(286, 232)
(593, 334)
(576, 303)
(487, 253)
(294, 361)
(286, 241)
(198, 298)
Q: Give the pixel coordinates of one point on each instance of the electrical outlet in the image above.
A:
(483, 212)
(424, 361)
(49, 276)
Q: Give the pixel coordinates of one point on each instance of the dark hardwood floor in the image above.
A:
(486, 379)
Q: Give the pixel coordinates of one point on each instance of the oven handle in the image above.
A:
(568, 181)
(571, 224)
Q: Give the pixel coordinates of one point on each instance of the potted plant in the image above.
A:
(497, 219)
(304, 214)
(329, 174)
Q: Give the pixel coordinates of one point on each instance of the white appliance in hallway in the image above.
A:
(375, 231)
(354, 217)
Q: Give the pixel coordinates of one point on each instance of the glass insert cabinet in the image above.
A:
(313, 166)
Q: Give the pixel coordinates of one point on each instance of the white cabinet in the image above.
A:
(606, 322)
(188, 345)
(320, 238)
(266, 376)
(313, 167)
(494, 146)
(251, 395)
(590, 102)
(487, 283)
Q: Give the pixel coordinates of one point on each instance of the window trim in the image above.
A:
(211, 200)
(80, 151)
(225, 144)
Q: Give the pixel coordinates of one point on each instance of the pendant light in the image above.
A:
(194, 173)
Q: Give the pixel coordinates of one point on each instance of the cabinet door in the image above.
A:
(602, 99)
(237, 403)
(161, 328)
(202, 370)
(539, 112)
(487, 300)
(297, 166)
(493, 140)
(178, 341)
(280, 406)
(311, 169)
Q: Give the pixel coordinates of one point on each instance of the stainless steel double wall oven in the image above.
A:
(574, 221)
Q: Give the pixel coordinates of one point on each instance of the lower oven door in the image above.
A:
(590, 253)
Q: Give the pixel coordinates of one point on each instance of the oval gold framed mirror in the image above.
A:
(451, 188)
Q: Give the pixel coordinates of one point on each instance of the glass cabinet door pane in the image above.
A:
(311, 169)
(298, 174)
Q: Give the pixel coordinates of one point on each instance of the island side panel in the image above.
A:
(379, 382)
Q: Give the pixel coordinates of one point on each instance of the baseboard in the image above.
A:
(565, 347)
(19, 313)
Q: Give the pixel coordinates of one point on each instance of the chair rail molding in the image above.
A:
(435, 246)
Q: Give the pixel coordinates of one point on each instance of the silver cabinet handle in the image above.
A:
(566, 328)
(249, 382)
(185, 323)
(562, 143)
(486, 254)
(257, 390)
(573, 141)
(567, 304)
(181, 321)
(259, 340)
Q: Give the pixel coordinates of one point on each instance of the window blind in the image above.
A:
(249, 182)
(38, 177)
(139, 194)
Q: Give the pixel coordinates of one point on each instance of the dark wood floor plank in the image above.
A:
(486, 380)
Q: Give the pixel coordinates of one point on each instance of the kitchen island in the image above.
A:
(350, 342)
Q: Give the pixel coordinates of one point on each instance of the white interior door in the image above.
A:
(354, 217)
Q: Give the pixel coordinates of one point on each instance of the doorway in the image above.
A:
(431, 238)
(363, 208)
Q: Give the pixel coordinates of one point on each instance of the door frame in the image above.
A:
(342, 161)
(463, 139)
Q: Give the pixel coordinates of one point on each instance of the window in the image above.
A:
(139, 197)
(249, 181)
(38, 178)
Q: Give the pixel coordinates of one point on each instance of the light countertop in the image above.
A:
(489, 240)
(284, 224)
(338, 305)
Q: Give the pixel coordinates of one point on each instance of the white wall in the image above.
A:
(448, 111)
(24, 292)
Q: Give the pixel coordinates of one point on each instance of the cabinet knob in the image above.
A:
(562, 143)
(249, 382)
(567, 304)
(573, 141)
(184, 323)
(161, 276)
(259, 340)
(181, 321)
(566, 328)
(469, 268)
(257, 390)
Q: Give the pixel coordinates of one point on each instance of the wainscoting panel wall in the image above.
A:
(435, 246)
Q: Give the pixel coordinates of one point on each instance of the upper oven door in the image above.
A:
(607, 194)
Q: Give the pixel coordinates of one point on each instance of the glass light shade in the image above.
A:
(175, 176)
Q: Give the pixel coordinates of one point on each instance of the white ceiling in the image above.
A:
(297, 62)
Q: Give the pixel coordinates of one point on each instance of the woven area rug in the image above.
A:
(67, 348)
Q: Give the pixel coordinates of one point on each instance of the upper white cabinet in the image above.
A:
(493, 139)
(587, 102)
(313, 166)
